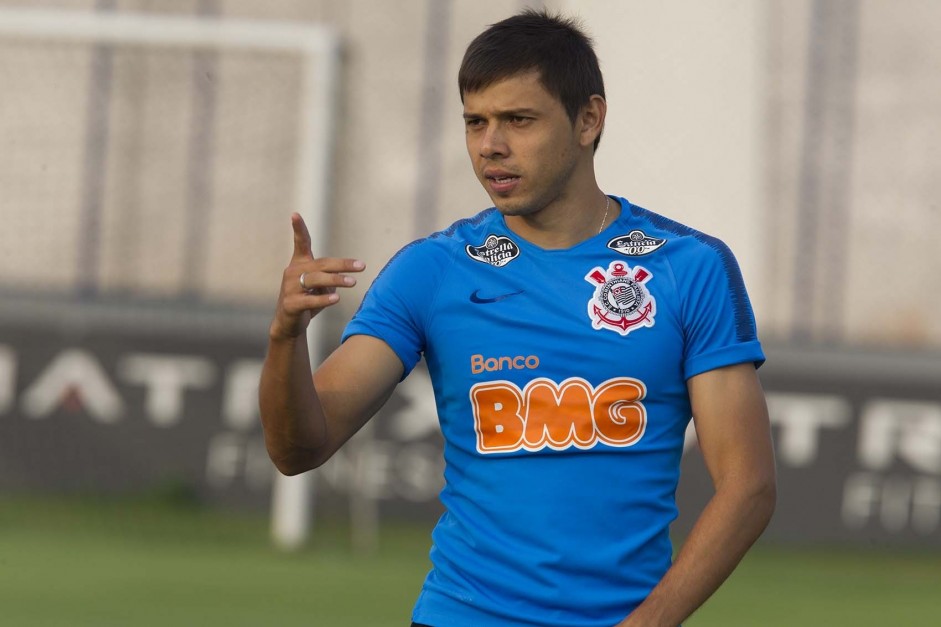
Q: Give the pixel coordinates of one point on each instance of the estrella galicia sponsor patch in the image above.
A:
(621, 301)
(636, 243)
(497, 250)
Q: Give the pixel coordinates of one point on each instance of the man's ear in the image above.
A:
(590, 121)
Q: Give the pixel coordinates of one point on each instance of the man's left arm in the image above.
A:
(732, 425)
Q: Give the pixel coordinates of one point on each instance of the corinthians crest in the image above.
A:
(621, 301)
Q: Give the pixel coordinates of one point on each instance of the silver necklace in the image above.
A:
(607, 205)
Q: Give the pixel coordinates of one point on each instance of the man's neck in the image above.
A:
(567, 221)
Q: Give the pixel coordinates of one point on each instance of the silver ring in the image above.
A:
(304, 287)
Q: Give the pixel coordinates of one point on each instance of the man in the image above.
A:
(569, 336)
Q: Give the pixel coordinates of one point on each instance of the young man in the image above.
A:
(570, 335)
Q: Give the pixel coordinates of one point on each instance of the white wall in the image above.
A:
(685, 86)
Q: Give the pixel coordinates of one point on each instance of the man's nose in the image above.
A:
(493, 143)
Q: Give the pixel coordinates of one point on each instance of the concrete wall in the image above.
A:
(802, 132)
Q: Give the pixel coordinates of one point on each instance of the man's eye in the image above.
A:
(473, 122)
(518, 119)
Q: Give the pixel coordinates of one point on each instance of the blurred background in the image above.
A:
(152, 151)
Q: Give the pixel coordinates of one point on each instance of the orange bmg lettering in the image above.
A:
(559, 416)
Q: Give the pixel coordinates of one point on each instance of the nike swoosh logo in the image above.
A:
(477, 298)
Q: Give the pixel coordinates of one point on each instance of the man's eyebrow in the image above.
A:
(508, 113)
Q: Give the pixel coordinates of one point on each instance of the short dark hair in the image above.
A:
(551, 44)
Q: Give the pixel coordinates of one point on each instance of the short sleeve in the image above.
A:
(397, 304)
(719, 324)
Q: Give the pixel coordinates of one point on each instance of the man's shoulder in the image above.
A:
(436, 247)
(457, 235)
(676, 237)
(469, 229)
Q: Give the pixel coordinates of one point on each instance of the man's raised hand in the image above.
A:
(308, 285)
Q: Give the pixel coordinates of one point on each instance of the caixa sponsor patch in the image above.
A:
(635, 244)
(497, 251)
(621, 301)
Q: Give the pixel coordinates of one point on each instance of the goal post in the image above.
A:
(318, 48)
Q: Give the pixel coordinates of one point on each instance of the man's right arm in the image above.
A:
(306, 417)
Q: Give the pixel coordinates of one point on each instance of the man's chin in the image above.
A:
(511, 208)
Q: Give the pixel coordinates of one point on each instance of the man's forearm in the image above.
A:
(290, 411)
(731, 522)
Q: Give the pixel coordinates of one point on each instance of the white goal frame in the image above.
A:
(319, 48)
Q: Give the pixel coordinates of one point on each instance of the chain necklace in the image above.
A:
(607, 205)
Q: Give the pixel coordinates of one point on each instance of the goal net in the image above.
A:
(158, 157)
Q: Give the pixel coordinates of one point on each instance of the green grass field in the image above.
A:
(149, 562)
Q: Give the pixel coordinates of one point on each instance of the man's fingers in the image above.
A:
(309, 285)
(326, 271)
(315, 302)
(314, 280)
(321, 276)
(336, 264)
(301, 238)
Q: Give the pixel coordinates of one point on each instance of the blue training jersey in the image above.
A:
(560, 383)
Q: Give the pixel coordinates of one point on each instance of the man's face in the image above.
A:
(522, 144)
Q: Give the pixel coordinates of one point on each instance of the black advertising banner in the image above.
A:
(113, 412)
(120, 411)
(858, 446)
(857, 434)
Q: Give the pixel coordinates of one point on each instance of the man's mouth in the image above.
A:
(502, 182)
